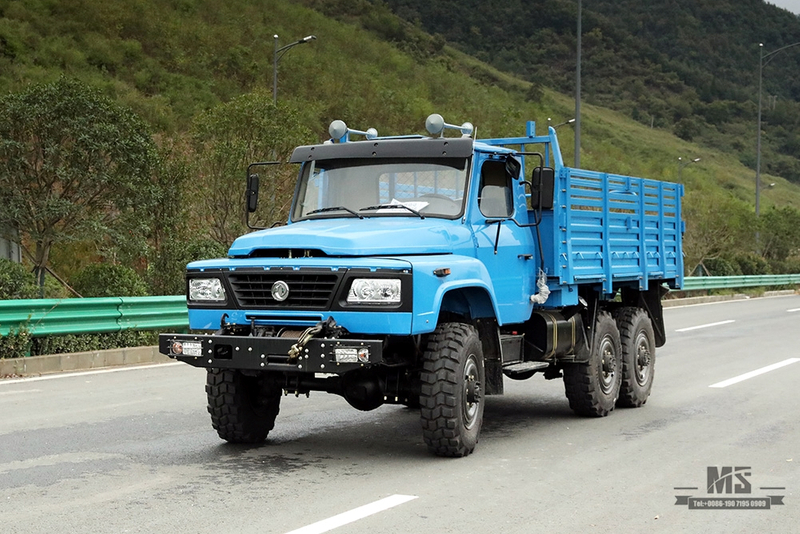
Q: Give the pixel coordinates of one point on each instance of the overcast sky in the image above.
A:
(791, 5)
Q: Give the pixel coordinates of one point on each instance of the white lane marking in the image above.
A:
(17, 392)
(86, 373)
(751, 374)
(793, 310)
(354, 515)
(705, 325)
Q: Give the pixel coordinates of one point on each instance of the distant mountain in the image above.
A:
(690, 66)
(686, 67)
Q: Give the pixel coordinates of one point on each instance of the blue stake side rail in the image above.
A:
(607, 228)
(45, 317)
(612, 228)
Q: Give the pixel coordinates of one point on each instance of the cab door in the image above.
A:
(507, 251)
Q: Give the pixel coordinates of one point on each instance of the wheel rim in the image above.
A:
(608, 364)
(644, 358)
(471, 397)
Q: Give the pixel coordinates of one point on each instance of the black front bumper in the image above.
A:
(319, 355)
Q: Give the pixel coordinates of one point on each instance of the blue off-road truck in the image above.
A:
(422, 270)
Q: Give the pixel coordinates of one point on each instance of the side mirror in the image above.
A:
(513, 166)
(251, 194)
(543, 182)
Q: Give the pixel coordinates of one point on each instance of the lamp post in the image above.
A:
(761, 57)
(578, 95)
(682, 164)
(758, 193)
(275, 57)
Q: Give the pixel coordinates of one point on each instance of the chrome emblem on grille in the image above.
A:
(280, 291)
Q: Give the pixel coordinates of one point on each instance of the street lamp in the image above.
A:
(275, 58)
(758, 195)
(557, 126)
(682, 164)
(761, 57)
(578, 94)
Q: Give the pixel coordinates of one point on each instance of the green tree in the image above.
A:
(717, 226)
(73, 165)
(687, 129)
(780, 233)
(167, 271)
(230, 136)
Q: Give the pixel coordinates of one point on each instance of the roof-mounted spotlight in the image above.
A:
(338, 130)
(436, 126)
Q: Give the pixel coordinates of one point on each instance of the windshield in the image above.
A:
(369, 188)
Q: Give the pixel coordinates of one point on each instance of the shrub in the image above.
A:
(752, 264)
(16, 282)
(89, 342)
(787, 266)
(109, 280)
(16, 344)
(722, 267)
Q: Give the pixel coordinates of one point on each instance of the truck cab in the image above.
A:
(422, 269)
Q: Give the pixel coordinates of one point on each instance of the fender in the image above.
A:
(430, 289)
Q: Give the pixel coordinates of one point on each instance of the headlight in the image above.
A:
(206, 289)
(374, 291)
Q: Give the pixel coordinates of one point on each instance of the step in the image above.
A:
(523, 367)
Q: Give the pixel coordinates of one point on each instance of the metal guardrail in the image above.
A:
(692, 283)
(45, 317)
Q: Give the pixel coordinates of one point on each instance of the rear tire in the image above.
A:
(451, 394)
(638, 356)
(593, 387)
(243, 408)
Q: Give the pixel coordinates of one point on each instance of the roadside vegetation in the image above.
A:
(166, 101)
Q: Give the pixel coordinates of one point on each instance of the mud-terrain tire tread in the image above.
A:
(243, 408)
(631, 321)
(442, 393)
(582, 381)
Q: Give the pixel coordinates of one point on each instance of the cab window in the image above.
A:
(495, 198)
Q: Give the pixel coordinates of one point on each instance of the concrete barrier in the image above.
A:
(80, 361)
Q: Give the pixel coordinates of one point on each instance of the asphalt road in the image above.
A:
(133, 451)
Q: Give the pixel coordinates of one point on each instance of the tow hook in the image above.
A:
(328, 327)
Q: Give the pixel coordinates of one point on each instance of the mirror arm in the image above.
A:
(535, 224)
(537, 154)
(249, 192)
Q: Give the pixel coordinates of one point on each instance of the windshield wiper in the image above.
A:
(391, 207)
(336, 208)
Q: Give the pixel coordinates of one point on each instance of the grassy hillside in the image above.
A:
(686, 66)
(172, 60)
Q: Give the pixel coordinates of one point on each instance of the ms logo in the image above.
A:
(728, 480)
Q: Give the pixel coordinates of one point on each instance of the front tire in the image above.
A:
(638, 356)
(451, 395)
(243, 408)
(593, 387)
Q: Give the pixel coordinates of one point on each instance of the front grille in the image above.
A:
(308, 290)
